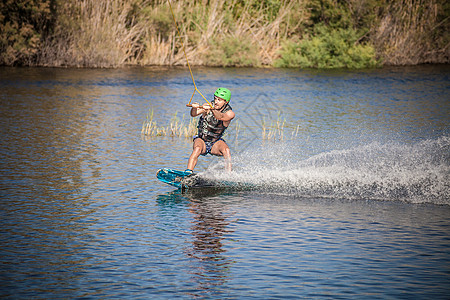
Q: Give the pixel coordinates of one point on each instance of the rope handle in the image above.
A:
(190, 105)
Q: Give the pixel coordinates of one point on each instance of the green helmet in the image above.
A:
(223, 93)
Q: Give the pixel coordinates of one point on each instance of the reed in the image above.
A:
(93, 33)
(295, 132)
(176, 127)
(114, 33)
(410, 32)
(274, 130)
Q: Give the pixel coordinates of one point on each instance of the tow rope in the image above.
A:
(190, 71)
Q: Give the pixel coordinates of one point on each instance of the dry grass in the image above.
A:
(94, 34)
(113, 33)
(176, 128)
(406, 33)
(274, 131)
(266, 34)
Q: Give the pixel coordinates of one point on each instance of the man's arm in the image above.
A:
(196, 110)
(225, 117)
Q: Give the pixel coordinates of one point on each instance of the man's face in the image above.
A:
(219, 102)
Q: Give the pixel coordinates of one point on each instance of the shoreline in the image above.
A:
(265, 67)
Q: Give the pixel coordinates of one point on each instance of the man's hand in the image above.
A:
(206, 106)
(195, 105)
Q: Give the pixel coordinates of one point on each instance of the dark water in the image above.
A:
(349, 198)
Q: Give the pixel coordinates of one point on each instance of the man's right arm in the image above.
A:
(195, 110)
(198, 110)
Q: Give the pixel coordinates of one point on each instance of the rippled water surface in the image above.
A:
(346, 178)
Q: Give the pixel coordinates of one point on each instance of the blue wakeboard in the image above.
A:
(183, 180)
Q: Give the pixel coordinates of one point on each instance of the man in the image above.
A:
(211, 126)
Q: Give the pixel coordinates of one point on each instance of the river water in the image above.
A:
(349, 176)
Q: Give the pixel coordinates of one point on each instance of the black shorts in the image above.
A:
(208, 145)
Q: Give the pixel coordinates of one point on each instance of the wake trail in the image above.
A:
(417, 173)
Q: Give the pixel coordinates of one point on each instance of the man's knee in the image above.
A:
(226, 152)
(197, 150)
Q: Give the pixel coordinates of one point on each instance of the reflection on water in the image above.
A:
(82, 214)
(209, 228)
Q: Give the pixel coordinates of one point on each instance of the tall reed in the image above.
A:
(274, 130)
(413, 31)
(95, 33)
(114, 33)
(176, 127)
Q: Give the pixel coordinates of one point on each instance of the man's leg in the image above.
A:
(221, 148)
(198, 148)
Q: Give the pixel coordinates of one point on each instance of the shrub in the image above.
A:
(24, 23)
(232, 52)
(328, 48)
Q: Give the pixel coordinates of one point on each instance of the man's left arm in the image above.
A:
(225, 117)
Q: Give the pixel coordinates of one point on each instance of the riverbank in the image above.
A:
(302, 34)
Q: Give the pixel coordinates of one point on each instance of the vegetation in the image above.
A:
(24, 26)
(176, 128)
(328, 48)
(274, 131)
(280, 33)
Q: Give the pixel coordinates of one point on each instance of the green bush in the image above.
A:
(332, 13)
(232, 52)
(328, 48)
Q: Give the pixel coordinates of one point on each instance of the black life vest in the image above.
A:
(211, 129)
